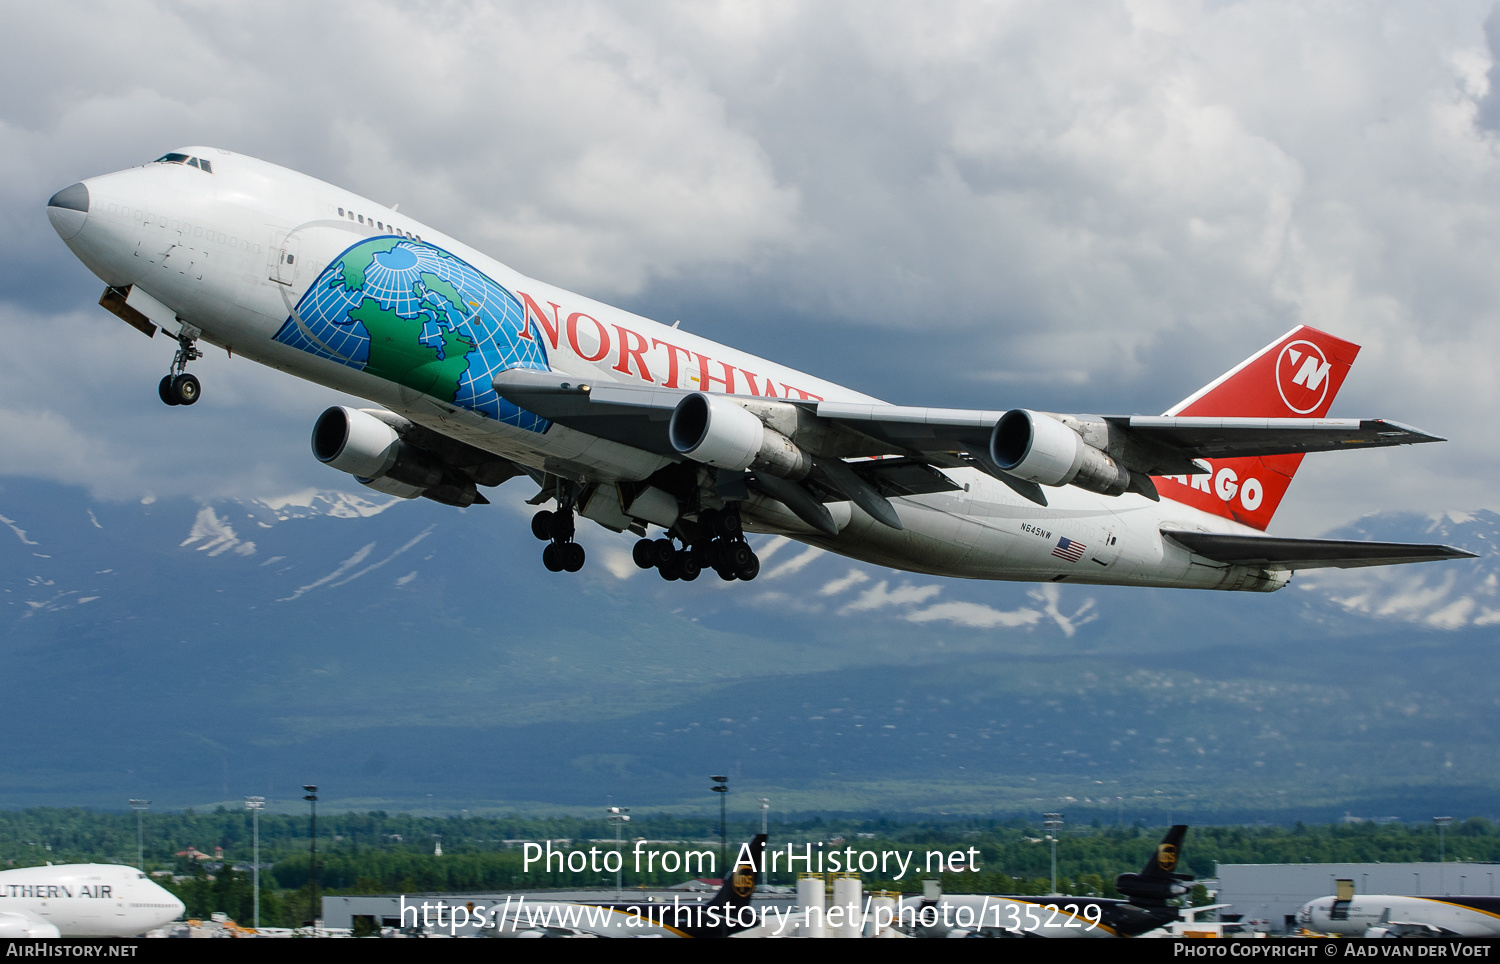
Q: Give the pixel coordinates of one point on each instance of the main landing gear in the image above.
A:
(556, 529)
(724, 550)
(178, 387)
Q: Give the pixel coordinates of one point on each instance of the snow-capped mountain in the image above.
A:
(394, 649)
(1445, 596)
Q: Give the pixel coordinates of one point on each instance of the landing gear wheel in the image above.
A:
(665, 552)
(670, 571)
(727, 525)
(562, 525)
(164, 389)
(541, 525)
(688, 565)
(552, 558)
(644, 554)
(572, 556)
(750, 569)
(726, 574)
(737, 556)
(185, 389)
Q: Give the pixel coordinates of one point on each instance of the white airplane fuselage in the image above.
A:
(232, 252)
(1464, 916)
(83, 900)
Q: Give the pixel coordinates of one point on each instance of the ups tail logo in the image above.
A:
(743, 881)
(1166, 857)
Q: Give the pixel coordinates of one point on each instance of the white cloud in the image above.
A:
(1050, 594)
(879, 596)
(795, 564)
(976, 615)
(620, 563)
(843, 583)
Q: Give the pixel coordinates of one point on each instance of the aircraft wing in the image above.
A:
(638, 415)
(619, 411)
(1273, 552)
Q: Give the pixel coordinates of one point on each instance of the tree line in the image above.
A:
(380, 852)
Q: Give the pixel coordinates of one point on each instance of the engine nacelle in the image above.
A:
(368, 449)
(14, 927)
(715, 431)
(1039, 448)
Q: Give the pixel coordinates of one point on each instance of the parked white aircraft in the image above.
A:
(82, 900)
(1392, 915)
(486, 374)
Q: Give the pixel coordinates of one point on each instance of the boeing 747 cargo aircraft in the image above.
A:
(481, 374)
(82, 900)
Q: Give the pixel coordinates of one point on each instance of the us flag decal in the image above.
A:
(1069, 550)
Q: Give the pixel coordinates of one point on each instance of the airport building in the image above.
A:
(1275, 892)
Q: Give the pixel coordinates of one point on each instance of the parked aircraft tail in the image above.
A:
(742, 875)
(721, 916)
(1296, 376)
(1158, 881)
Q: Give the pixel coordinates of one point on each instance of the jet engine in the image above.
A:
(715, 431)
(371, 450)
(1039, 448)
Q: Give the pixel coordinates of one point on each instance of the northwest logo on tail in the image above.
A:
(1302, 376)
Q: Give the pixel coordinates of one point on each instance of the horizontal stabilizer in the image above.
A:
(1189, 437)
(1272, 552)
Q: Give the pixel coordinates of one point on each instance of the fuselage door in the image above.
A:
(1103, 554)
(284, 271)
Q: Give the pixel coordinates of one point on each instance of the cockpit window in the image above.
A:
(199, 163)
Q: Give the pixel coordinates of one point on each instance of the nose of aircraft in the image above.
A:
(68, 209)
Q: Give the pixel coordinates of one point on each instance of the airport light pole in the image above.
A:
(1442, 823)
(1053, 822)
(765, 812)
(255, 805)
(721, 787)
(619, 816)
(312, 798)
(140, 807)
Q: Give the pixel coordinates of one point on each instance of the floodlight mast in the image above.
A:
(619, 816)
(140, 807)
(1053, 822)
(721, 787)
(312, 798)
(1442, 824)
(255, 805)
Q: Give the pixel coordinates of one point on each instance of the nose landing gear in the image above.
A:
(178, 387)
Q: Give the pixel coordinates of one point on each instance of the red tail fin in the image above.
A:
(1298, 375)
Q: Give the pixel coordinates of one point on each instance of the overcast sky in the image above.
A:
(1081, 207)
